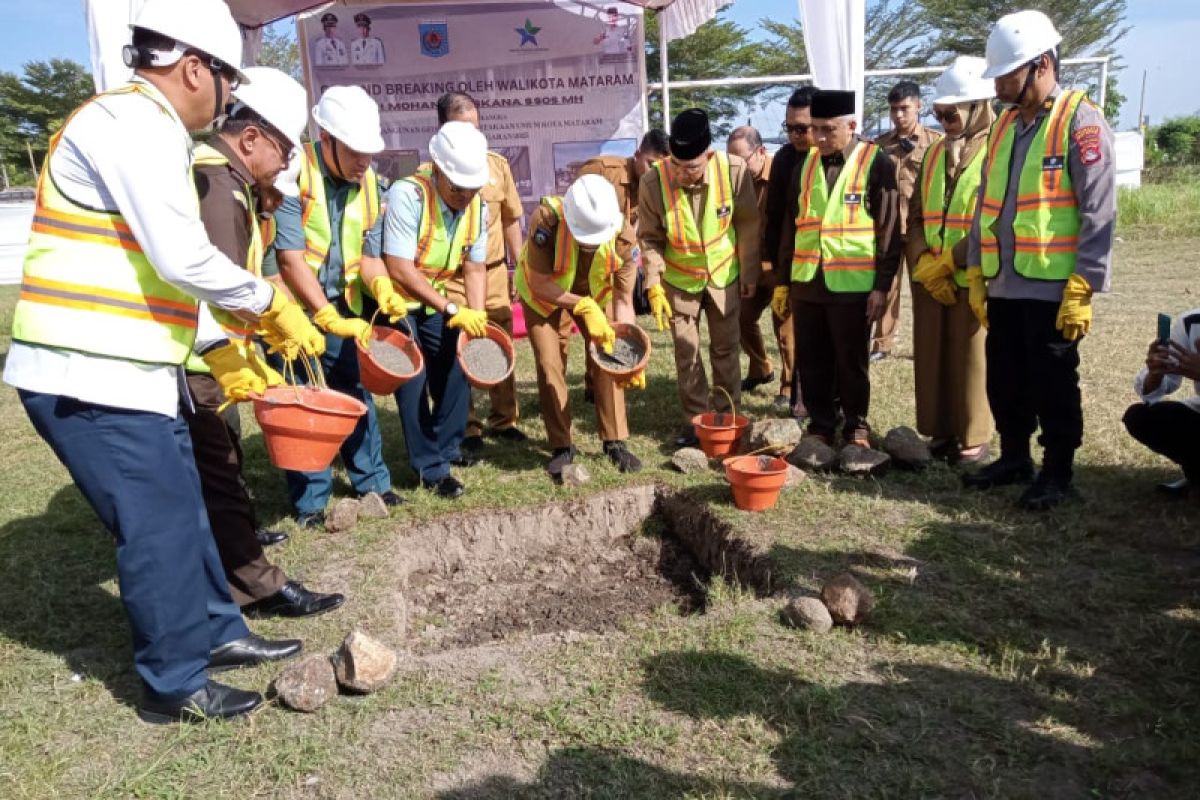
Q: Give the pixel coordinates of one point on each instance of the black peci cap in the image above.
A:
(690, 134)
(832, 103)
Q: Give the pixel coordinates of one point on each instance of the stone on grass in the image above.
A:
(774, 436)
(343, 516)
(813, 454)
(795, 477)
(575, 475)
(690, 460)
(808, 613)
(307, 684)
(907, 448)
(847, 599)
(371, 506)
(856, 460)
(362, 664)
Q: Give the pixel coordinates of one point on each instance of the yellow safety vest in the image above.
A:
(1046, 225)
(237, 330)
(88, 285)
(948, 222)
(696, 256)
(362, 210)
(834, 230)
(605, 264)
(438, 257)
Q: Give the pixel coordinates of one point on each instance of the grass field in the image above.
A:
(1011, 655)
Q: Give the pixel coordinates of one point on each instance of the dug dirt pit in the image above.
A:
(485, 359)
(390, 357)
(582, 589)
(625, 354)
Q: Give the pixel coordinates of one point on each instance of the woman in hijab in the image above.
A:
(948, 341)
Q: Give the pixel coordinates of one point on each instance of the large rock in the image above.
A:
(307, 684)
(808, 613)
(343, 516)
(575, 475)
(856, 460)
(690, 460)
(813, 454)
(363, 664)
(371, 506)
(847, 599)
(907, 448)
(795, 477)
(774, 436)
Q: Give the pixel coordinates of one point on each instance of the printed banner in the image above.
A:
(556, 83)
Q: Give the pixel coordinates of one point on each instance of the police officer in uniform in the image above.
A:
(330, 51)
(367, 50)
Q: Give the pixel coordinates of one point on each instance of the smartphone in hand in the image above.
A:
(1164, 329)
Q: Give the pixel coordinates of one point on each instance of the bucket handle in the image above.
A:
(732, 407)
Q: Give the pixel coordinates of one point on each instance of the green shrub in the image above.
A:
(1162, 210)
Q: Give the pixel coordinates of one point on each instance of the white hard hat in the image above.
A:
(205, 25)
(1017, 39)
(276, 97)
(348, 114)
(288, 181)
(460, 152)
(963, 82)
(590, 206)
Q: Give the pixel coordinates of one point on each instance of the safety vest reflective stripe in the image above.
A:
(108, 301)
(697, 255)
(437, 257)
(603, 266)
(74, 226)
(947, 221)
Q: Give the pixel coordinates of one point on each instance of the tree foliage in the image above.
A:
(1178, 140)
(279, 50)
(34, 105)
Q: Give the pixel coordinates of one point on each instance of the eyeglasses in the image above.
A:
(286, 152)
(945, 115)
(798, 128)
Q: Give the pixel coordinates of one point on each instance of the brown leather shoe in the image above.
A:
(860, 438)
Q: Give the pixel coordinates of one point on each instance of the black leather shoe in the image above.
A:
(448, 487)
(310, 520)
(250, 651)
(620, 456)
(687, 439)
(293, 600)
(267, 538)
(1180, 488)
(513, 434)
(877, 356)
(391, 499)
(589, 396)
(559, 459)
(471, 444)
(750, 384)
(1046, 492)
(212, 701)
(1002, 472)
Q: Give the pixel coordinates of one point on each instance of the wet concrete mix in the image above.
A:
(626, 353)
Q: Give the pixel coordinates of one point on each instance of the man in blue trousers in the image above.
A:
(117, 262)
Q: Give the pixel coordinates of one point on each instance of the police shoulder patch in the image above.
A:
(1087, 139)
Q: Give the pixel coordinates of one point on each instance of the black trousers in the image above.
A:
(1169, 429)
(833, 343)
(1033, 380)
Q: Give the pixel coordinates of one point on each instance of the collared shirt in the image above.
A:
(330, 52)
(540, 254)
(883, 204)
(122, 152)
(778, 181)
(1095, 186)
(906, 153)
(402, 223)
(1185, 332)
(617, 170)
(503, 205)
(652, 233)
(367, 51)
(289, 233)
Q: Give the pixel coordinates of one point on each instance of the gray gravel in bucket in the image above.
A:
(625, 354)
(390, 357)
(485, 359)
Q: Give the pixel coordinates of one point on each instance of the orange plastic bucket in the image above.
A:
(624, 330)
(373, 376)
(719, 432)
(500, 337)
(304, 426)
(756, 481)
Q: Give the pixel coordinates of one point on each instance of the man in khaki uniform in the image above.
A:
(504, 212)
(746, 143)
(625, 173)
(583, 232)
(700, 245)
(906, 144)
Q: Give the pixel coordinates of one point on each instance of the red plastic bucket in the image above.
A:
(373, 376)
(624, 330)
(756, 481)
(719, 432)
(500, 337)
(304, 426)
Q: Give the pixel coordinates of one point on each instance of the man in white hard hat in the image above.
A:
(117, 262)
(1042, 241)
(328, 244)
(436, 226)
(583, 228)
(259, 136)
(948, 342)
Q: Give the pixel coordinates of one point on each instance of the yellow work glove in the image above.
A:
(288, 331)
(977, 294)
(635, 381)
(470, 321)
(331, 321)
(1075, 313)
(780, 300)
(659, 306)
(261, 367)
(934, 273)
(390, 303)
(237, 377)
(597, 324)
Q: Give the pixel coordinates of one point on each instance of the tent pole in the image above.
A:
(662, 69)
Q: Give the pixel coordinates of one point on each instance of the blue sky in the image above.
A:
(1162, 42)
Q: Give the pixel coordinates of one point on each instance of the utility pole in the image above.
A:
(32, 163)
(1142, 105)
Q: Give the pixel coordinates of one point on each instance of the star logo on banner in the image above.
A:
(528, 33)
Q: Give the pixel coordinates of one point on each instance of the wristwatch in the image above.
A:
(450, 310)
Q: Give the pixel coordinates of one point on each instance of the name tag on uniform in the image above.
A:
(1052, 163)
(723, 211)
(852, 198)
